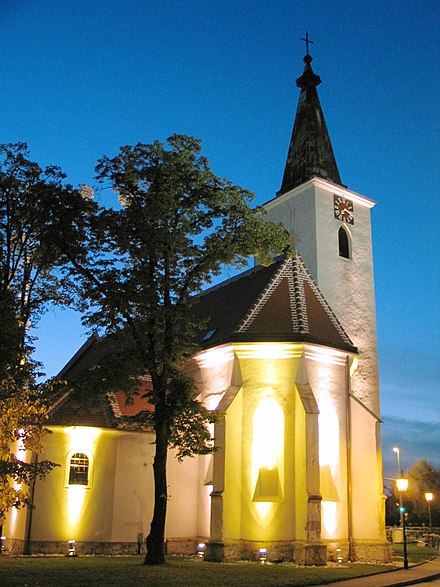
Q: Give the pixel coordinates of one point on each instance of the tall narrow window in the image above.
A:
(344, 243)
(79, 469)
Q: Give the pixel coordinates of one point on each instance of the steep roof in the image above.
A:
(310, 151)
(279, 303)
(103, 410)
(276, 303)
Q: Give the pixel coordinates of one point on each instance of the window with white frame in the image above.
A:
(79, 466)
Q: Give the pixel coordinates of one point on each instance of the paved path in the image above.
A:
(412, 576)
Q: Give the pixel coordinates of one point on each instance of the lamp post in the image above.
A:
(397, 451)
(402, 485)
(428, 497)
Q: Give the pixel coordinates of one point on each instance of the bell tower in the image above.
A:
(331, 226)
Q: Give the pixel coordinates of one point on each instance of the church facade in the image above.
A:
(289, 363)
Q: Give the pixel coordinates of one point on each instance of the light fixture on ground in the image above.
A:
(201, 548)
(402, 485)
(72, 548)
(429, 497)
(2, 543)
(263, 555)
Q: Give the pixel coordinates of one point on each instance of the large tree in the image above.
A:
(142, 268)
(29, 282)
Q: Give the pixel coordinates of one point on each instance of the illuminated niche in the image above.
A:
(329, 454)
(268, 451)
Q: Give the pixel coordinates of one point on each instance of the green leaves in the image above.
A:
(32, 202)
(22, 417)
(141, 266)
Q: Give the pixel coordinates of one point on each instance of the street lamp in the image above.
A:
(402, 485)
(428, 497)
(397, 451)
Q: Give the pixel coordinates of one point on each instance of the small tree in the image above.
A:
(423, 477)
(178, 225)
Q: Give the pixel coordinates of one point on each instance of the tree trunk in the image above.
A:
(156, 538)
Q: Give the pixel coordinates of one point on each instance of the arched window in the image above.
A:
(344, 243)
(79, 469)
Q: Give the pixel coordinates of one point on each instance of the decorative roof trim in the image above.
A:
(263, 298)
(308, 277)
(300, 298)
(114, 404)
(294, 270)
(327, 186)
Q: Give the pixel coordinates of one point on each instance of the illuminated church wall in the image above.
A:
(264, 489)
(233, 471)
(116, 504)
(327, 378)
(132, 504)
(267, 412)
(261, 472)
(299, 466)
(368, 516)
(93, 512)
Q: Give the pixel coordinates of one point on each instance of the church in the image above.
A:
(289, 363)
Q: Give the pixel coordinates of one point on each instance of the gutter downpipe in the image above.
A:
(27, 543)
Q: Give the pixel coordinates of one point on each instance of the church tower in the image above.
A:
(332, 230)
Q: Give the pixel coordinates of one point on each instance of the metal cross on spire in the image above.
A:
(307, 41)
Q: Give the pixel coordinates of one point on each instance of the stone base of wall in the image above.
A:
(332, 547)
(81, 548)
(184, 546)
(13, 546)
(215, 552)
(372, 552)
(360, 551)
(176, 546)
(300, 552)
(310, 554)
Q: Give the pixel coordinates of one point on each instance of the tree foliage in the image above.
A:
(29, 257)
(22, 417)
(422, 478)
(141, 268)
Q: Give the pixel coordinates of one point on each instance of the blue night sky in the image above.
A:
(81, 78)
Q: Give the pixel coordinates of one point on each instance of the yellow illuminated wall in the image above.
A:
(232, 495)
(268, 453)
(100, 511)
(299, 470)
(259, 464)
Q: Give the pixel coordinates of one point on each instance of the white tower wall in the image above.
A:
(347, 284)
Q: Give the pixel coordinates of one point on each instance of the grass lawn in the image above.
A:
(130, 572)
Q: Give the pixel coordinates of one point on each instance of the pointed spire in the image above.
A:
(310, 151)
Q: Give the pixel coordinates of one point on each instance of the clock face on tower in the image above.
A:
(343, 209)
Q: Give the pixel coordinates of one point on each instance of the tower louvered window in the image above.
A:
(79, 469)
(344, 243)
